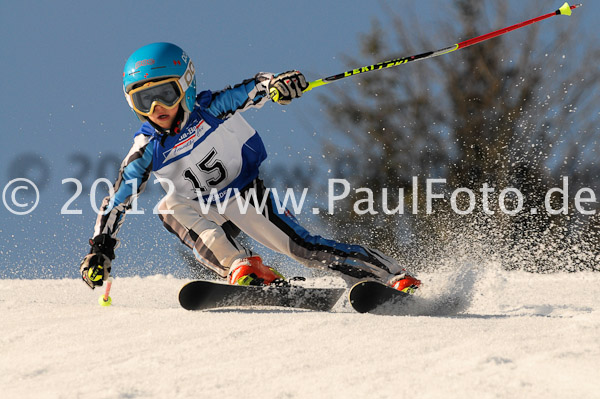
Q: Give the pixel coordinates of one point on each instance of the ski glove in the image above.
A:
(286, 86)
(95, 267)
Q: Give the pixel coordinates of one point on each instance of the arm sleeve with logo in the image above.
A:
(251, 93)
(131, 182)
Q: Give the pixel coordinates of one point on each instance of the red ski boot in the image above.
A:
(251, 271)
(405, 283)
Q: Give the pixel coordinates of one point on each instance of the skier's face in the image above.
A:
(163, 117)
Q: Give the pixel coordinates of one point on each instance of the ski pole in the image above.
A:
(565, 9)
(106, 300)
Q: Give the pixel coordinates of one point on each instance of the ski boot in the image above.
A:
(251, 271)
(405, 283)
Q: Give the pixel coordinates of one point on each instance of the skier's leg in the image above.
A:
(281, 232)
(214, 245)
(212, 239)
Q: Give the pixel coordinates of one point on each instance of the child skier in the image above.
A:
(198, 143)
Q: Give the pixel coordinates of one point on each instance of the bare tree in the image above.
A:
(515, 111)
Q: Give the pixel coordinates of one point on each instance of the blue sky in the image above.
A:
(64, 114)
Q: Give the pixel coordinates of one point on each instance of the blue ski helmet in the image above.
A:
(160, 61)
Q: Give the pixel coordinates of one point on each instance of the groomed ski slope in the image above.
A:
(515, 335)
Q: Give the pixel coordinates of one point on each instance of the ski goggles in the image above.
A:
(168, 93)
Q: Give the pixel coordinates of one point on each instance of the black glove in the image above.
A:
(286, 86)
(95, 267)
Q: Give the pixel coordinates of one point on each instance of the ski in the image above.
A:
(376, 297)
(205, 295)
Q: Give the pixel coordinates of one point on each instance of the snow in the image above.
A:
(514, 334)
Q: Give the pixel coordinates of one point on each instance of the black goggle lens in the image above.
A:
(167, 94)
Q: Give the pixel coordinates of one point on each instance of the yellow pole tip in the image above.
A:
(565, 9)
(102, 302)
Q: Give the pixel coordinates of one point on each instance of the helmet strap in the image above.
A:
(175, 127)
(177, 121)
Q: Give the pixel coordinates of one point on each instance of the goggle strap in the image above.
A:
(128, 98)
(188, 77)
